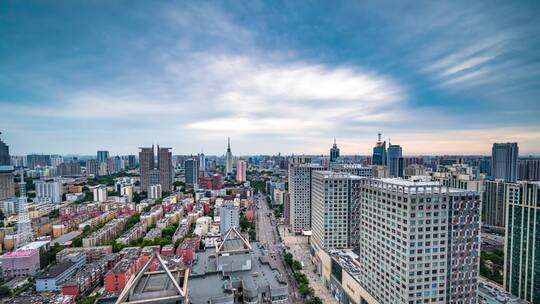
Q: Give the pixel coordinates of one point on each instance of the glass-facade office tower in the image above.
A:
(522, 241)
(379, 153)
(102, 156)
(334, 152)
(419, 242)
(494, 203)
(504, 161)
(395, 161)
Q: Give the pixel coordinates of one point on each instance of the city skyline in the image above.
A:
(439, 78)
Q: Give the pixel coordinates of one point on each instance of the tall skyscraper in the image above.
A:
(35, 160)
(335, 207)
(504, 161)
(395, 161)
(7, 185)
(241, 170)
(228, 158)
(102, 156)
(494, 202)
(522, 241)
(191, 167)
(419, 242)
(202, 163)
(300, 194)
(334, 152)
(379, 153)
(25, 234)
(152, 173)
(5, 160)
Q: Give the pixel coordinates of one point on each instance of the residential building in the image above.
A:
(21, 262)
(100, 193)
(229, 216)
(494, 202)
(522, 241)
(49, 190)
(529, 169)
(71, 168)
(241, 170)
(379, 153)
(102, 156)
(191, 169)
(53, 279)
(152, 173)
(419, 242)
(228, 158)
(92, 167)
(504, 161)
(202, 163)
(300, 194)
(37, 160)
(335, 207)
(155, 191)
(7, 184)
(334, 152)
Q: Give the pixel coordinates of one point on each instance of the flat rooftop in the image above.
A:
(416, 187)
(206, 283)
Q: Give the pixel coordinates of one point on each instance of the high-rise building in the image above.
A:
(49, 191)
(241, 170)
(229, 217)
(334, 152)
(379, 153)
(155, 191)
(228, 158)
(529, 169)
(494, 202)
(35, 160)
(102, 156)
(395, 161)
(132, 161)
(56, 160)
(202, 163)
(25, 234)
(419, 242)
(165, 168)
(191, 168)
(7, 185)
(5, 159)
(70, 168)
(335, 207)
(504, 161)
(300, 194)
(92, 167)
(150, 173)
(522, 241)
(353, 169)
(100, 193)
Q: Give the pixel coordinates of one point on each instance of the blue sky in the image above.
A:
(276, 76)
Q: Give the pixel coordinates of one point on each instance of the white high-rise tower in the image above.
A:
(228, 158)
(24, 226)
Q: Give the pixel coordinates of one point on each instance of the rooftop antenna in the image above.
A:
(379, 135)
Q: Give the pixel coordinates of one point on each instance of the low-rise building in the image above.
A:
(21, 262)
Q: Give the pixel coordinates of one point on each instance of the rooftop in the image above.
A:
(66, 237)
(416, 187)
(56, 270)
(34, 245)
(20, 253)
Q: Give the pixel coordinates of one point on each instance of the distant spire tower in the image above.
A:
(24, 226)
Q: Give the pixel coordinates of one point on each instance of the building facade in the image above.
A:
(7, 184)
(156, 173)
(335, 209)
(504, 161)
(522, 241)
(229, 216)
(241, 170)
(49, 189)
(228, 158)
(419, 242)
(494, 203)
(334, 152)
(191, 169)
(395, 161)
(300, 194)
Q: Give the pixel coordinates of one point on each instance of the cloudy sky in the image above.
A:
(275, 76)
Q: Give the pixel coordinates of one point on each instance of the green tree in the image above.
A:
(288, 257)
(297, 265)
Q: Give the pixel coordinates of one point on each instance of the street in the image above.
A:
(267, 235)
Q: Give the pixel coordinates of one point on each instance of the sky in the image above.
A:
(436, 77)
